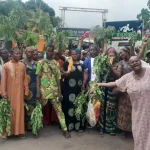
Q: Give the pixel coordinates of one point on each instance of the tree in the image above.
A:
(12, 23)
(32, 5)
(7, 5)
(40, 23)
(25, 25)
(56, 21)
(148, 4)
(144, 15)
(39, 4)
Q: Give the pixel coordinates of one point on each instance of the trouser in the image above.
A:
(49, 115)
(58, 109)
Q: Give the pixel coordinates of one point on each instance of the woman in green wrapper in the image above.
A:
(108, 114)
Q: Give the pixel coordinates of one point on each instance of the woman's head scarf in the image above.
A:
(125, 49)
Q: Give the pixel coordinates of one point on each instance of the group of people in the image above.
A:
(125, 103)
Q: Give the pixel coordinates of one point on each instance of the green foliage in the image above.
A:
(10, 24)
(30, 39)
(39, 4)
(7, 31)
(40, 23)
(36, 13)
(56, 22)
(26, 106)
(6, 112)
(144, 15)
(81, 103)
(7, 6)
(102, 34)
(96, 92)
(101, 66)
(147, 47)
(148, 4)
(22, 22)
(36, 119)
(18, 16)
(62, 40)
(134, 37)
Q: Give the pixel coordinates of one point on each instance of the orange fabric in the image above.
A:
(14, 44)
(60, 63)
(70, 64)
(14, 85)
(41, 44)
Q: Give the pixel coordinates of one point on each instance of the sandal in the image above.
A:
(22, 136)
(112, 134)
(67, 134)
(4, 139)
(36, 136)
(81, 131)
(101, 132)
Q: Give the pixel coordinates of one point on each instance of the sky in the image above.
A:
(118, 10)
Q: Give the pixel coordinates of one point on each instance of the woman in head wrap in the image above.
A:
(71, 88)
(108, 114)
(137, 85)
(124, 104)
(31, 99)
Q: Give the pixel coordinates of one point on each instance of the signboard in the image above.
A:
(125, 28)
(76, 32)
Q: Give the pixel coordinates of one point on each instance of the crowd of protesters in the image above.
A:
(44, 76)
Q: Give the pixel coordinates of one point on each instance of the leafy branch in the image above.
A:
(6, 111)
(102, 34)
(36, 118)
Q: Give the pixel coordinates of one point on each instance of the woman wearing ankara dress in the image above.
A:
(137, 85)
(71, 88)
(108, 112)
(124, 103)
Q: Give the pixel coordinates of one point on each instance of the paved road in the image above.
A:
(51, 139)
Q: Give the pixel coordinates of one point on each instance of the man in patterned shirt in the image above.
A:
(48, 85)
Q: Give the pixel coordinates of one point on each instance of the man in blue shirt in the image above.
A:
(89, 75)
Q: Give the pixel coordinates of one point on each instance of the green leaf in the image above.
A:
(5, 116)
(36, 118)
